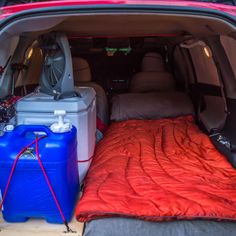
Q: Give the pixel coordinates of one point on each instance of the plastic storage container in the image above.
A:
(28, 194)
(38, 109)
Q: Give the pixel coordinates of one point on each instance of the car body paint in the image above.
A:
(11, 10)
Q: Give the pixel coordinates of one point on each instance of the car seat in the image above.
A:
(82, 77)
(153, 76)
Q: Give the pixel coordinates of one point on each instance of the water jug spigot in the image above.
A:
(60, 126)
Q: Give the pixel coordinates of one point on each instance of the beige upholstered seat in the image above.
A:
(152, 62)
(153, 76)
(82, 77)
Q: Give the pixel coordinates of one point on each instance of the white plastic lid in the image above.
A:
(9, 128)
(57, 128)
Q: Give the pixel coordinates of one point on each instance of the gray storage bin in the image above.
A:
(38, 108)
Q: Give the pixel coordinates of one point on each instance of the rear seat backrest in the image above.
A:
(82, 77)
(152, 62)
(81, 70)
(153, 76)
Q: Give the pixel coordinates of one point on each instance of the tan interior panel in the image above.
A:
(229, 45)
(205, 68)
(142, 24)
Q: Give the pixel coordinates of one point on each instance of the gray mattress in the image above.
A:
(133, 227)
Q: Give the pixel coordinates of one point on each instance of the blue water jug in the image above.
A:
(28, 194)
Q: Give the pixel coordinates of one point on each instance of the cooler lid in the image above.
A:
(40, 102)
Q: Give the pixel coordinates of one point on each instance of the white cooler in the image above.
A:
(38, 108)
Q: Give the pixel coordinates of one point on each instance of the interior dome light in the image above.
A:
(207, 51)
(29, 53)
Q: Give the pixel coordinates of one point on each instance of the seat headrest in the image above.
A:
(81, 70)
(153, 62)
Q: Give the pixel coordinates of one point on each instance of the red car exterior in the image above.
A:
(11, 10)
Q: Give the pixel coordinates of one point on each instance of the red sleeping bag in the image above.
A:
(158, 170)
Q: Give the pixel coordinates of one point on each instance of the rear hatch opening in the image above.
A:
(128, 57)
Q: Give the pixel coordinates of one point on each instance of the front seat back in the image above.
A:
(152, 62)
(82, 77)
(153, 76)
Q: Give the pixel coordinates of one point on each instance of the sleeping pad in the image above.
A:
(158, 170)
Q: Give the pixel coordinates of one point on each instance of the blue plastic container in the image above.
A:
(28, 195)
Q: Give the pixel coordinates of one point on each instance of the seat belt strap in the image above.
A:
(222, 88)
(101, 126)
(186, 81)
(2, 68)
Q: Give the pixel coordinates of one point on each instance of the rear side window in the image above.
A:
(229, 45)
(205, 68)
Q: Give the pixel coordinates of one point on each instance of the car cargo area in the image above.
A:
(118, 124)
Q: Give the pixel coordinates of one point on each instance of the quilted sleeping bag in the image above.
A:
(158, 170)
